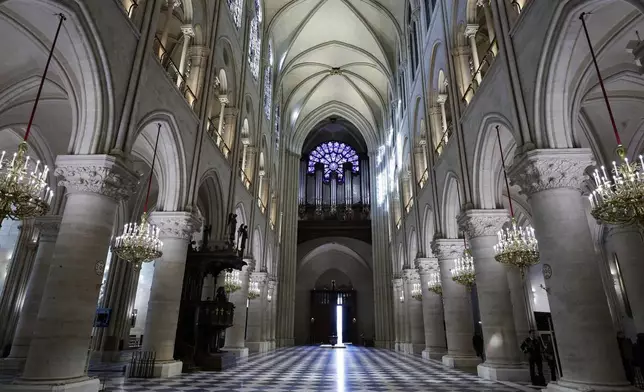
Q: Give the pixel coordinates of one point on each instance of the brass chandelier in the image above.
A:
(232, 281)
(140, 242)
(517, 245)
(463, 272)
(434, 285)
(24, 192)
(416, 292)
(618, 198)
(253, 290)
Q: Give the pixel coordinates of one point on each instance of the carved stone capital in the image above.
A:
(540, 170)
(410, 275)
(448, 248)
(175, 224)
(272, 284)
(397, 283)
(100, 174)
(441, 99)
(48, 226)
(259, 277)
(483, 223)
(482, 3)
(188, 30)
(223, 99)
(471, 30)
(426, 265)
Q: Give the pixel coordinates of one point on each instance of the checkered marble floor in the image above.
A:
(316, 369)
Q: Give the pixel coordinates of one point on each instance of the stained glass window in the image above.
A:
(235, 7)
(268, 83)
(333, 155)
(277, 125)
(255, 46)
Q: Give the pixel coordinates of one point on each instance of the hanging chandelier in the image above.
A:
(253, 291)
(463, 271)
(232, 281)
(24, 192)
(517, 245)
(140, 242)
(416, 292)
(434, 285)
(618, 198)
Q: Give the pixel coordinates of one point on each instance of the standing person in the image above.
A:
(533, 346)
(477, 342)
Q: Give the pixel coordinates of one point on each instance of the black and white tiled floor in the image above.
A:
(308, 369)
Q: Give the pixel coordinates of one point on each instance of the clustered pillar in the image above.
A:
(176, 229)
(588, 350)
(59, 347)
(502, 354)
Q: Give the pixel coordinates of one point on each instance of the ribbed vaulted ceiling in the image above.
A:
(334, 57)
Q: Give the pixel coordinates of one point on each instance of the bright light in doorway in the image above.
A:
(338, 323)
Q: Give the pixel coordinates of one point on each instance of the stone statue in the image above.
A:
(243, 235)
(232, 226)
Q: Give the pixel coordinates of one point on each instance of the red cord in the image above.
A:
(505, 174)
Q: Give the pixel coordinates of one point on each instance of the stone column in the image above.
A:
(235, 334)
(433, 320)
(117, 298)
(176, 229)
(441, 100)
(502, 354)
(489, 22)
(188, 33)
(48, 227)
(171, 5)
(470, 33)
(58, 354)
(462, 58)
(435, 121)
(273, 315)
(397, 286)
(223, 101)
(256, 310)
(626, 246)
(459, 324)
(414, 312)
(16, 281)
(588, 351)
(198, 56)
(521, 308)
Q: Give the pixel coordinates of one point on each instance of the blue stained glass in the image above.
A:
(235, 8)
(333, 155)
(255, 45)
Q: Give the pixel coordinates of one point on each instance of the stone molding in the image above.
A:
(176, 224)
(461, 51)
(411, 275)
(259, 277)
(48, 226)
(200, 52)
(100, 174)
(448, 248)
(426, 265)
(397, 283)
(541, 170)
(482, 223)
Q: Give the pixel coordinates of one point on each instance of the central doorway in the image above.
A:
(333, 313)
